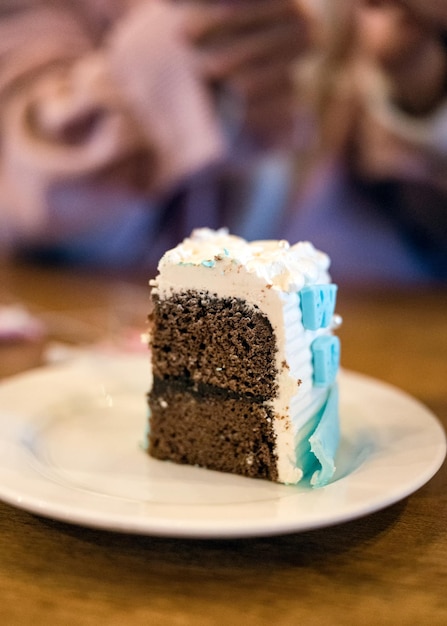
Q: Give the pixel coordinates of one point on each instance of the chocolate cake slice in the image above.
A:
(244, 361)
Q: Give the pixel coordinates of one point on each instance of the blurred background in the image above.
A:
(127, 123)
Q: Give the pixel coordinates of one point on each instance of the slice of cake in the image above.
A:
(244, 361)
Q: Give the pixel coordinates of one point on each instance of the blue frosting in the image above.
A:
(318, 305)
(325, 439)
(326, 359)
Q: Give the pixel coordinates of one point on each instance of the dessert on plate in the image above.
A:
(244, 359)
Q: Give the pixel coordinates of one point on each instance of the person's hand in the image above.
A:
(250, 49)
(406, 40)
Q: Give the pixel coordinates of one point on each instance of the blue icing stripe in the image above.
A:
(326, 359)
(209, 263)
(308, 461)
(318, 305)
(325, 439)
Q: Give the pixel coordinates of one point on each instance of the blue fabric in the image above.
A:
(363, 244)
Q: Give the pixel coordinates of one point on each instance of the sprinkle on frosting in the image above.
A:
(283, 266)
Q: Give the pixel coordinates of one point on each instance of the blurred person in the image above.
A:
(126, 123)
(377, 198)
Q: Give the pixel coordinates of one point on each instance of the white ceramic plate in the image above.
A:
(71, 449)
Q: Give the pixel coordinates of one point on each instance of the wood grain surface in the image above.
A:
(386, 568)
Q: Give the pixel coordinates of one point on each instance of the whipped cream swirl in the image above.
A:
(283, 266)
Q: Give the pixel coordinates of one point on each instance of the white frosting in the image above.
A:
(284, 267)
(268, 275)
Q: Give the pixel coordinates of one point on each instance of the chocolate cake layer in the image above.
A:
(222, 433)
(220, 342)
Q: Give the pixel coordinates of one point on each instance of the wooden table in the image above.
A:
(386, 568)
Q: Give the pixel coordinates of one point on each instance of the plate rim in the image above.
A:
(194, 529)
